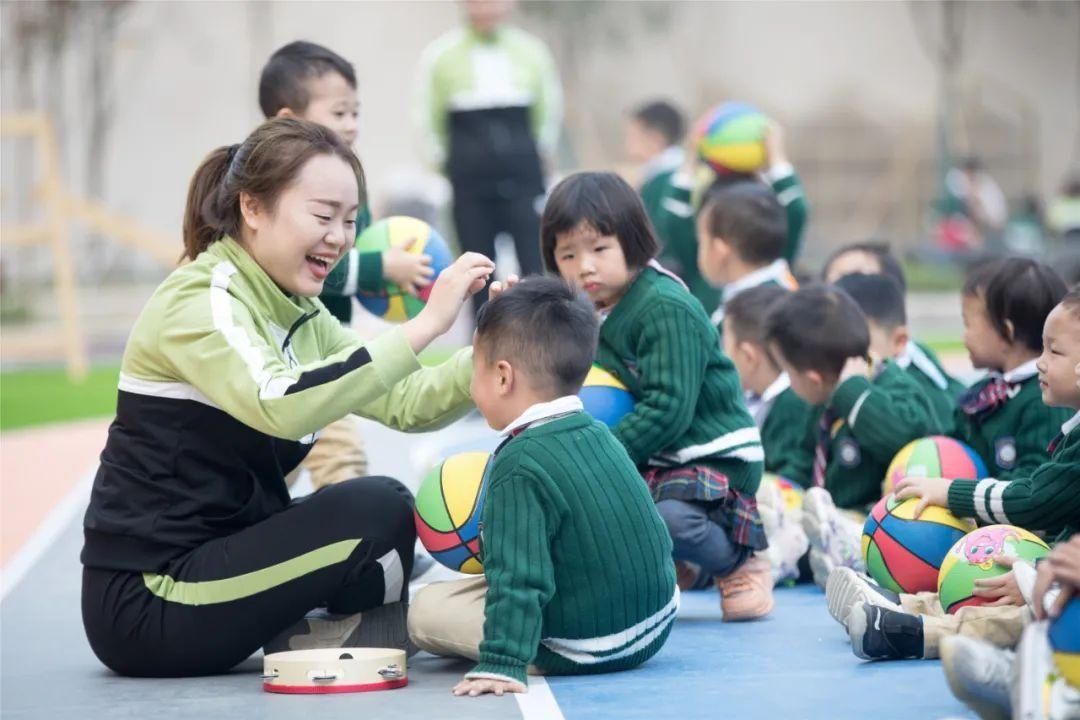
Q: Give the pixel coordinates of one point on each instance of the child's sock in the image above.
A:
(878, 633)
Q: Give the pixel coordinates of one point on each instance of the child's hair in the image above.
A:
(978, 277)
(283, 83)
(544, 325)
(879, 249)
(749, 218)
(1071, 301)
(607, 203)
(747, 311)
(262, 166)
(878, 296)
(664, 118)
(1022, 292)
(818, 328)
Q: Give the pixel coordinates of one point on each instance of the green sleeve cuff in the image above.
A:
(369, 276)
(392, 357)
(850, 393)
(962, 497)
(498, 671)
(463, 369)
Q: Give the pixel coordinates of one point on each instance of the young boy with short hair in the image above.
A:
(578, 576)
(653, 139)
(742, 230)
(881, 300)
(865, 414)
(313, 83)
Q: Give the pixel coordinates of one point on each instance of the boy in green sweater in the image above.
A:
(653, 137)
(866, 411)
(741, 231)
(577, 563)
(1002, 417)
(675, 224)
(881, 299)
(885, 626)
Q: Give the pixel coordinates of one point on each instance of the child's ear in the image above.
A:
(751, 352)
(900, 339)
(1011, 330)
(251, 210)
(285, 113)
(505, 373)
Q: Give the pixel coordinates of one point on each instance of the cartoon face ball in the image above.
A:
(394, 303)
(975, 557)
(448, 509)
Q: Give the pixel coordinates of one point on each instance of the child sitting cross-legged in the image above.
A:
(578, 575)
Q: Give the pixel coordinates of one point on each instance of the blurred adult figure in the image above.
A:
(488, 109)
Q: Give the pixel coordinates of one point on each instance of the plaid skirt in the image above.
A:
(730, 509)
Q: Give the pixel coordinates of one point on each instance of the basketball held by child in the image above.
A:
(731, 138)
(933, 456)
(905, 553)
(605, 398)
(395, 303)
(976, 556)
(1065, 641)
(449, 504)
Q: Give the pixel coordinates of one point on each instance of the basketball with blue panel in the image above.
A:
(904, 553)
(731, 138)
(449, 505)
(1065, 641)
(605, 397)
(975, 557)
(395, 304)
(935, 456)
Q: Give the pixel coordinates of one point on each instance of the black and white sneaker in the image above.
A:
(878, 633)
(384, 626)
(846, 587)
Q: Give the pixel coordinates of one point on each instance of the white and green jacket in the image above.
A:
(225, 384)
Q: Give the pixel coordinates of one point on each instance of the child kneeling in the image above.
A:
(578, 573)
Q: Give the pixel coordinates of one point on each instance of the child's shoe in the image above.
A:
(979, 675)
(746, 594)
(846, 587)
(1040, 691)
(787, 540)
(878, 633)
(836, 537)
(688, 576)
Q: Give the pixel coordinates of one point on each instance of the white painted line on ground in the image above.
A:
(56, 522)
(539, 703)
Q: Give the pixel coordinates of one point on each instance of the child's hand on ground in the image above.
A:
(483, 686)
(932, 491)
(498, 287)
(1003, 589)
(410, 271)
(775, 152)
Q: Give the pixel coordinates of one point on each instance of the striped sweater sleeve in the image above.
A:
(1048, 500)
(356, 272)
(519, 525)
(883, 419)
(671, 357)
(789, 192)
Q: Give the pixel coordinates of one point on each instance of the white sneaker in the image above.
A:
(980, 675)
(836, 537)
(787, 540)
(845, 587)
(1040, 692)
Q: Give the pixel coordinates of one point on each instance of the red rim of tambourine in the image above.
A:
(329, 689)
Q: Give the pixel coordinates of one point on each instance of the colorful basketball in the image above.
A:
(730, 138)
(791, 492)
(1065, 641)
(448, 508)
(934, 456)
(974, 557)
(903, 553)
(394, 303)
(604, 397)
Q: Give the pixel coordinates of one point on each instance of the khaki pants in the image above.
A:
(999, 625)
(447, 619)
(337, 456)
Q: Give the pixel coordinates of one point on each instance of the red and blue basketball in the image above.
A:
(605, 398)
(449, 504)
(394, 303)
(936, 456)
(903, 553)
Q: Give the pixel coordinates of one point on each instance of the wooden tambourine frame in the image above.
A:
(336, 670)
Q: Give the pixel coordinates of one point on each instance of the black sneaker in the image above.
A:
(878, 633)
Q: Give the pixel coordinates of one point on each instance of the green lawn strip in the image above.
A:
(39, 397)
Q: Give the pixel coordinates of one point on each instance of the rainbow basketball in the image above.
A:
(448, 507)
(903, 553)
(730, 138)
(934, 456)
(974, 557)
(604, 397)
(1065, 641)
(791, 492)
(396, 304)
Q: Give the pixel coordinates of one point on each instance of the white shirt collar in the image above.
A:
(1071, 425)
(670, 158)
(904, 359)
(779, 385)
(545, 411)
(1025, 371)
(777, 270)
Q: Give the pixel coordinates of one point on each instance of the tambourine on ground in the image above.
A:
(334, 670)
